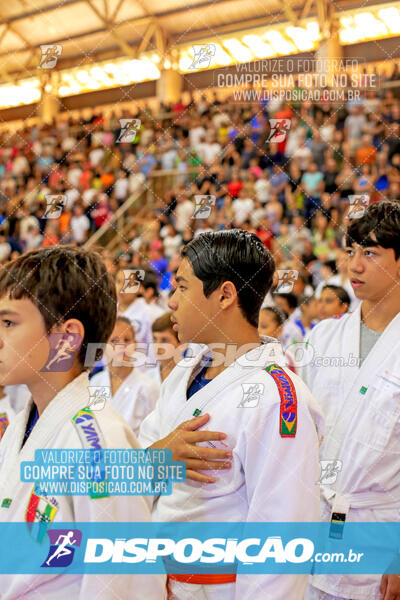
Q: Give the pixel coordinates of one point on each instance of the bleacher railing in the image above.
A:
(129, 215)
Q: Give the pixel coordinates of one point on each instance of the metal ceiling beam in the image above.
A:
(306, 9)
(4, 32)
(41, 11)
(111, 28)
(289, 12)
(166, 13)
(146, 38)
(116, 11)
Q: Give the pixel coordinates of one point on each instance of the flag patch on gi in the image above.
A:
(39, 514)
(4, 422)
(288, 410)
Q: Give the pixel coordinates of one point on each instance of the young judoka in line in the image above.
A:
(60, 297)
(359, 392)
(133, 394)
(271, 421)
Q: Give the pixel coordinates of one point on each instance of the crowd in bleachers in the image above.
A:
(294, 193)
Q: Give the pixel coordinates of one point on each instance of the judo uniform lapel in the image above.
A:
(61, 409)
(270, 351)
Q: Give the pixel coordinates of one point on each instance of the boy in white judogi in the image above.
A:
(58, 413)
(271, 421)
(352, 367)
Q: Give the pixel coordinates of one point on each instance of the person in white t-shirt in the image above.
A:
(242, 207)
(183, 212)
(303, 155)
(210, 149)
(262, 188)
(171, 239)
(132, 306)
(149, 291)
(79, 225)
(121, 187)
(136, 179)
(74, 175)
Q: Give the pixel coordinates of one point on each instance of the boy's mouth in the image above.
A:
(356, 283)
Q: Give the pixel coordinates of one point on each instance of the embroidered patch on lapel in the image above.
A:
(288, 410)
(6, 503)
(4, 422)
(88, 429)
(91, 437)
(39, 514)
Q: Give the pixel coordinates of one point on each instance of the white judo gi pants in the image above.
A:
(190, 591)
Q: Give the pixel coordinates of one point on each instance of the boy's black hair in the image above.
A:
(64, 283)
(291, 298)
(151, 281)
(305, 300)
(381, 218)
(340, 293)
(237, 256)
(279, 315)
(331, 264)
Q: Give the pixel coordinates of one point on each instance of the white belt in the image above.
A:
(341, 502)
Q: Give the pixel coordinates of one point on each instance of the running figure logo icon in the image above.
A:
(329, 471)
(63, 543)
(98, 396)
(279, 130)
(251, 394)
(62, 351)
(132, 280)
(287, 278)
(50, 55)
(203, 54)
(54, 206)
(203, 206)
(358, 205)
(129, 130)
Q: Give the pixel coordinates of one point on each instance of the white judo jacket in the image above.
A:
(55, 429)
(362, 411)
(135, 398)
(272, 478)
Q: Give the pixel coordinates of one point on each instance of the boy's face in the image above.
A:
(165, 337)
(282, 304)
(374, 272)
(122, 339)
(312, 309)
(267, 325)
(24, 348)
(330, 305)
(194, 315)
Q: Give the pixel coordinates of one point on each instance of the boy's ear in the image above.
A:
(228, 294)
(75, 329)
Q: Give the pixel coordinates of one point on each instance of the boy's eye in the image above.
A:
(182, 288)
(369, 253)
(8, 323)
